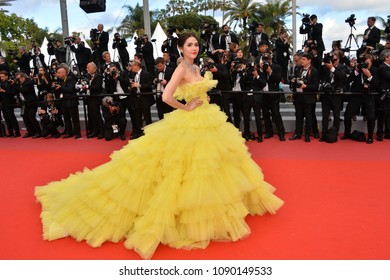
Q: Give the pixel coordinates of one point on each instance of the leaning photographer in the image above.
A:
(313, 29)
(364, 81)
(83, 54)
(121, 45)
(335, 74)
(8, 100)
(169, 45)
(114, 119)
(48, 115)
(383, 130)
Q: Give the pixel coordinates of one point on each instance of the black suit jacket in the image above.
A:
(24, 63)
(68, 92)
(83, 54)
(373, 37)
(358, 86)
(103, 42)
(312, 83)
(146, 82)
(28, 92)
(314, 33)
(384, 76)
(233, 38)
(254, 44)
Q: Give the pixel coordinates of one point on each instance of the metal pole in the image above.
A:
(147, 28)
(294, 25)
(64, 19)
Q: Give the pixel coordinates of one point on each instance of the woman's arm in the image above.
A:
(178, 77)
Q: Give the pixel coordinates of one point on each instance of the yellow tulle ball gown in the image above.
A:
(188, 181)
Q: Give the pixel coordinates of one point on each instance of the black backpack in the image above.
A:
(358, 136)
(330, 136)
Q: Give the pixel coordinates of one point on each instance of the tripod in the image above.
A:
(70, 60)
(350, 37)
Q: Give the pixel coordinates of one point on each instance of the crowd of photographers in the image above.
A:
(247, 82)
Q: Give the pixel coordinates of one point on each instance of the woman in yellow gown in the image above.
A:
(188, 181)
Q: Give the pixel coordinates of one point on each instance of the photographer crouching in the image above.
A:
(114, 119)
(48, 115)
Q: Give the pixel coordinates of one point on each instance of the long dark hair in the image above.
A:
(183, 38)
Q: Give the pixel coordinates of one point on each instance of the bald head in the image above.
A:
(61, 73)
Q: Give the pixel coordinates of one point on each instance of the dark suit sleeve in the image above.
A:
(374, 37)
(313, 82)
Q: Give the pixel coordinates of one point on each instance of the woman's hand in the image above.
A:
(196, 102)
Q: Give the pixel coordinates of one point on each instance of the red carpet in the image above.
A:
(336, 201)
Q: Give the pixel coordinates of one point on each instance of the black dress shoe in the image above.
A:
(122, 137)
(36, 136)
(379, 137)
(307, 138)
(57, 135)
(92, 135)
(78, 137)
(268, 135)
(26, 135)
(17, 134)
(100, 136)
(316, 135)
(344, 137)
(295, 137)
(259, 139)
(67, 136)
(281, 137)
(370, 140)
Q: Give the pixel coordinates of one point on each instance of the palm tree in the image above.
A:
(241, 11)
(273, 14)
(4, 3)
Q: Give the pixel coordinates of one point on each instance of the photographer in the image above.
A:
(170, 45)
(255, 81)
(257, 36)
(270, 105)
(372, 35)
(43, 82)
(60, 52)
(306, 80)
(211, 41)
(8, 101)
(23, 61)
(48, 114)
(38, 59)
(100, 39)
(26, 89)
(313, 29)
(364, 80)
(114, 119)
(335, 74)
(282, 49)
(105, 66)
(83, 54)
(4, 65)
(147, 53)
(227, 38)
(240, 82)
(383, 130)
(121, 45)
(65, 88)
(163, 75)
(94, 87)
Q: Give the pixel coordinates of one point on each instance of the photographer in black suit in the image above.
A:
(141, 83)
(120, 44)
(26, 89)
(335, 75)
(383, 129)
(170, 45)
(8, 100)
(83, 54)
(270, 105)
(256, 37)
(94, 87)
(364, 80)
(114, 119)
(23, 60)
(372, 35)
(227, 37)
(67, 92)
(48, 114)
(162, 76)
(306, 80)
(313, 29)
(210, 40)
(100, 43)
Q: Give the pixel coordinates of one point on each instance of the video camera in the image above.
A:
(328, 58)
(253, 26)
(362, 65)
(266, 58)
(68, 40)
(208, 28)
(171, 30)
(305, 19)
(94, 34)
(351, 20)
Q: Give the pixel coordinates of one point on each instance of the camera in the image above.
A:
(328, 58)
(114, 73)
(12, 52)
(305, 19)
(171, 30)
(325, 87)
(385, 94)
(94, 34)
(69, 40)
(351, 20)
(40, 75)
(253, 26)
(266, 58)
(362, 65)
(211, 65)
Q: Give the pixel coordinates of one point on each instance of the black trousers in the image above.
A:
(271, 107)
(10, 120)
(49, 127)
(248, 104)
(236, 100)
(334, 103)
(353, 108)
(383, 115)
(162, 107)
(108, 130)
(95, 121)
(72, 120)
(303, 113)
(29, 118)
